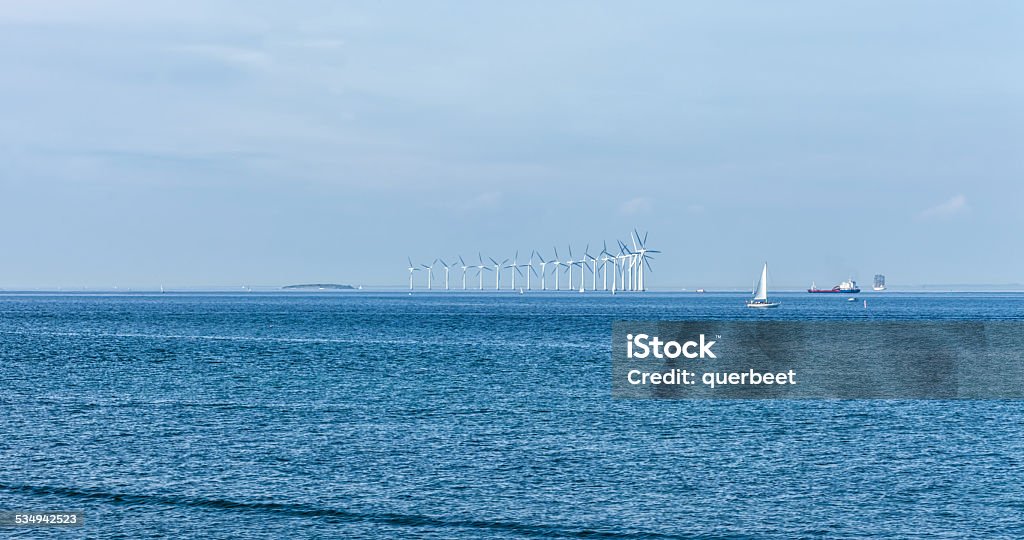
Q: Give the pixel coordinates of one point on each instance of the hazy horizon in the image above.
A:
(202, 144)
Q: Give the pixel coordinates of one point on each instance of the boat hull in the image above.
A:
(835, 291)
(763, 305)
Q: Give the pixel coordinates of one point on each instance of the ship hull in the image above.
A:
(763, 305)
(834, 291)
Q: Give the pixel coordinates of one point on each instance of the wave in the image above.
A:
(495, 342)
(301, 510)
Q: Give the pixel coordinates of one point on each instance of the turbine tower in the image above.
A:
(480, 270)
(632, 264)
(497, 272)
(615, 268)
(430, 274)
(583, 273)
(515, 267)
(447, 267)
(557, 263)
(530, 271)
(412, 268)
(568, 266)
(623, 255)
(543, 273)
(593, 269)
(464, 267)
(604, 267)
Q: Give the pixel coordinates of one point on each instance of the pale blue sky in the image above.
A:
(215, 143)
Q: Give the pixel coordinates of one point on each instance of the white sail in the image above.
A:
(761, 293)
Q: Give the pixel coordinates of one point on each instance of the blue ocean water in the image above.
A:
(466, 416)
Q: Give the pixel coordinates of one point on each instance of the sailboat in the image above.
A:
(760, 299)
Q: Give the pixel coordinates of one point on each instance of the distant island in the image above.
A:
(319, 287)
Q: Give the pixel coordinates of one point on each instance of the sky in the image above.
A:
(208, 143)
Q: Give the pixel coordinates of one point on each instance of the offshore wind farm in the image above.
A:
(621, 269)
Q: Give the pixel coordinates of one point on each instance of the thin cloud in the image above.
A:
(946, 209)
(639, 205)
(240, 56)
(483, 201)
(324, 44)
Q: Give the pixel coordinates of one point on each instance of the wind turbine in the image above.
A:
(643, 259)
(583, 273)
(568, 266)
(464, 267)
(615, 268)
(515, 268)
(593, 270)
(430, 273)
(634, 274)
(412, 268)
(543, 273)
(480, 270)
(497, 272)
(530, 271)
(604, 267)
(557, 263)
(625, 255)
(447, 267)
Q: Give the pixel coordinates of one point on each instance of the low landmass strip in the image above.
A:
(319, 287)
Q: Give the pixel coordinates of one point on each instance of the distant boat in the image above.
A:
(700, 290)
(760, 299)
(847, 287)
(879, 282)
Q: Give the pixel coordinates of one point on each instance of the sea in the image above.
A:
(467, 416)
